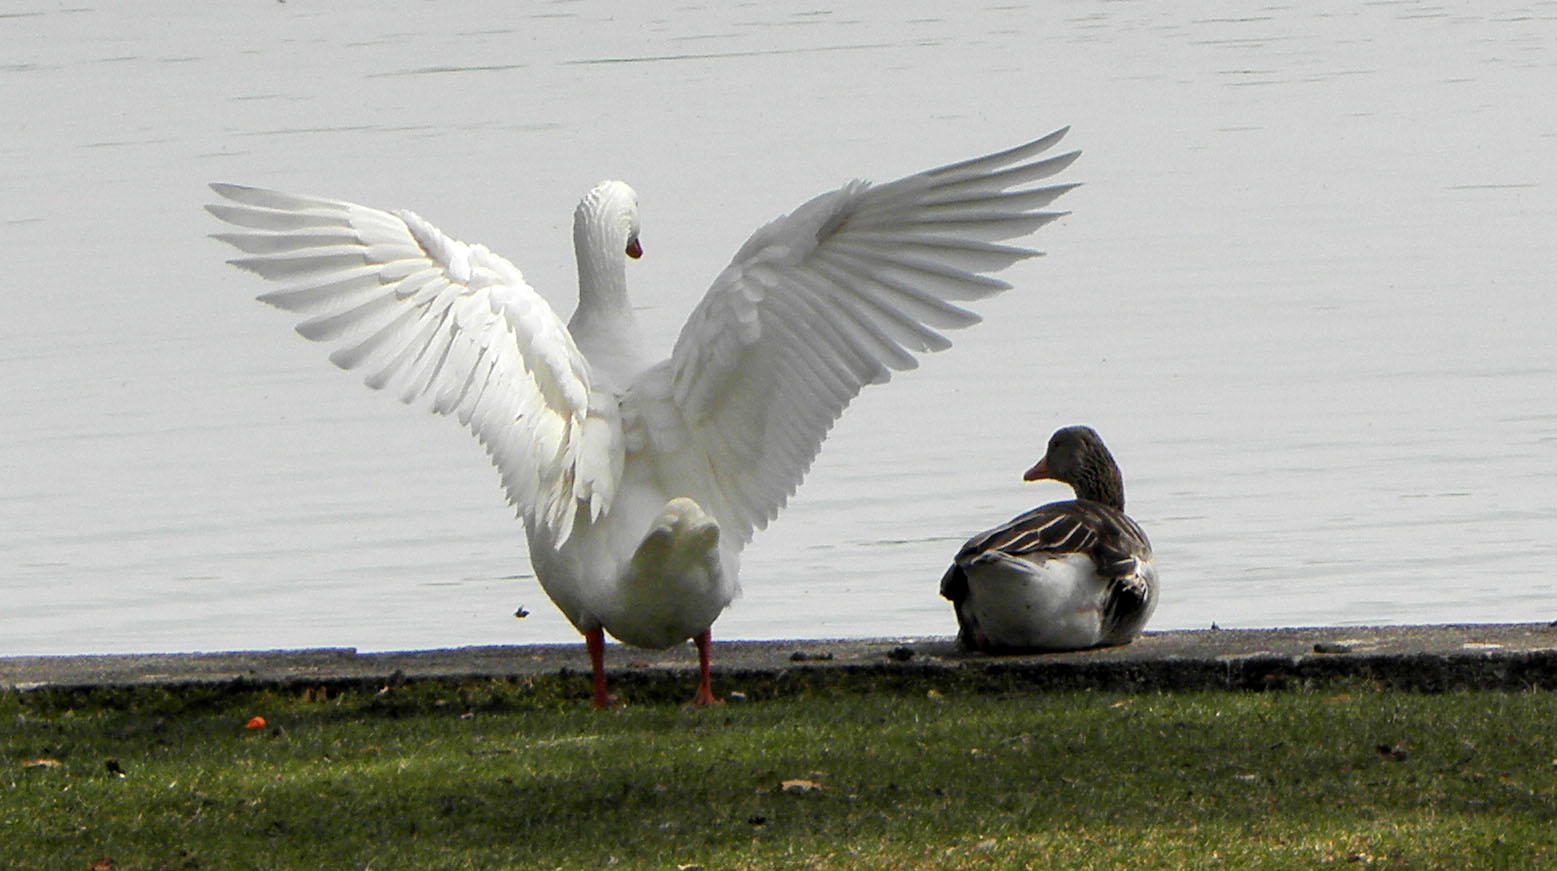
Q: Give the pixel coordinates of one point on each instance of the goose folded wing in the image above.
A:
(1114, 543)
(1057, 528)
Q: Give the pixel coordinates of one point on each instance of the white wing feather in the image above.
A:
(823, 301)
(427, 315)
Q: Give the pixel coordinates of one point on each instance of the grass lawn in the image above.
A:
(493, 774)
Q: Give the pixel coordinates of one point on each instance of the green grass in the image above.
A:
(503, 775)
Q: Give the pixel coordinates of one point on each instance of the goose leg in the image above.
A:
(705, 693)
(594, 639)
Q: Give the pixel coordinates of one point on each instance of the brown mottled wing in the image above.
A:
(1113, 540)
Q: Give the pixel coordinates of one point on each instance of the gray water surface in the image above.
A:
(1305, 294)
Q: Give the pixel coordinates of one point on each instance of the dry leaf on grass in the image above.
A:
(1395, 753)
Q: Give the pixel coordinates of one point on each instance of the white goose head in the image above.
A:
(605, 234)
(605, 230)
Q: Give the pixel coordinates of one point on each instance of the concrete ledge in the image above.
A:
(1499, 656)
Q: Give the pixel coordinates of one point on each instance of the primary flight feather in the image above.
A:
(639, 480)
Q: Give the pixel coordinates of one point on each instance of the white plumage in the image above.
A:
(640, 481)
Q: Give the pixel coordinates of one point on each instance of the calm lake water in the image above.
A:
(1305, 294)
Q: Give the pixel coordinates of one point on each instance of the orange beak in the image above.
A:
(1038, 472)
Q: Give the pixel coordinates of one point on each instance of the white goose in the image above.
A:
(640, 481)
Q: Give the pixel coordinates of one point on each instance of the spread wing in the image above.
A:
(426, 315)
(834, 296)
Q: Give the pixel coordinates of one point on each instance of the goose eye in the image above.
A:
(634, 250)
